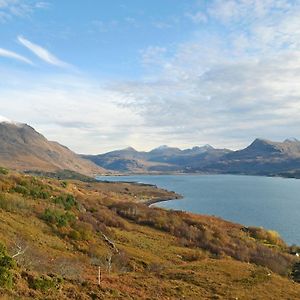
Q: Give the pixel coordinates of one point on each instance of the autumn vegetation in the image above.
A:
(57, 236)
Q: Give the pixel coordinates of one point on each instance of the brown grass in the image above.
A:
(161, 254)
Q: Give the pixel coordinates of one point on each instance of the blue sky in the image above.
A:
(100, 75)
(102, 38)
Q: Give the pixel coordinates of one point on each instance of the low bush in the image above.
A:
(57, 218)
(44, 283)
(6, 265)
(31, 187)
(67, 201)
(3, 171)
(267, 236)
(81, 231)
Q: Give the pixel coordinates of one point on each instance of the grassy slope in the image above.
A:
(157, 258)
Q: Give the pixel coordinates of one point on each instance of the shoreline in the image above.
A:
(154, 201)
(279, 175)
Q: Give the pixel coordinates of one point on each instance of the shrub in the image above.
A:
(267, 236)
(64, 184)
(82, 231)
(31, 187)
(43, 283)
(21, 190)
(3, 171)
(67, 201)
(74, 235)
(57, 218)
(6, 264)
(6, 278)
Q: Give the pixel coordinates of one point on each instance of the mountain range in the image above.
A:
(262, 157)
(24, 149)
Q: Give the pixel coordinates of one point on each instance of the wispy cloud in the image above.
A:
(19, 8)
(43, 53)
(86, 110)
(13, 55)
(198, 17)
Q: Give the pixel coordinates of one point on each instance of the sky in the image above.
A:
(100, 75)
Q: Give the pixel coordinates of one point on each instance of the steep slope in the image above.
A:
(23, 148)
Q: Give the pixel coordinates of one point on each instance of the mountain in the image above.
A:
(125, 160)
(262, 157)
(22, 148)
(163, 159)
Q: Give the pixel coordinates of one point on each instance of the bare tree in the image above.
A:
(21, 249)
(110, 243)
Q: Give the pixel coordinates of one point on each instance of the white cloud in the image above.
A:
(72, 110)
(42, 4)
(232, 82)
(13, 55)
(235, 78)
(42, 53)
(10, 9)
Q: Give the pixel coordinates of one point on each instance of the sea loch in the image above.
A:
(270, 202)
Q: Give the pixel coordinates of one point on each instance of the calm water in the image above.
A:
(273, 203)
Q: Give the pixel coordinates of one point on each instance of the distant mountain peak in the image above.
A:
(162, 147)
(5, 120)
(291, 140)
(207, 146)
(258, 142)
(129, 149)
(23, 148)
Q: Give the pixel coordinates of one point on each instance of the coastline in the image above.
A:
(284, 175)
(154, 201)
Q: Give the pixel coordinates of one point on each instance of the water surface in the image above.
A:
(271, 202)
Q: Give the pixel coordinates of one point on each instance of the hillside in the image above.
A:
(58, 233)
(22, 148)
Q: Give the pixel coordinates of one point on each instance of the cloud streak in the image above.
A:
(13, 55)
(43, 53)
